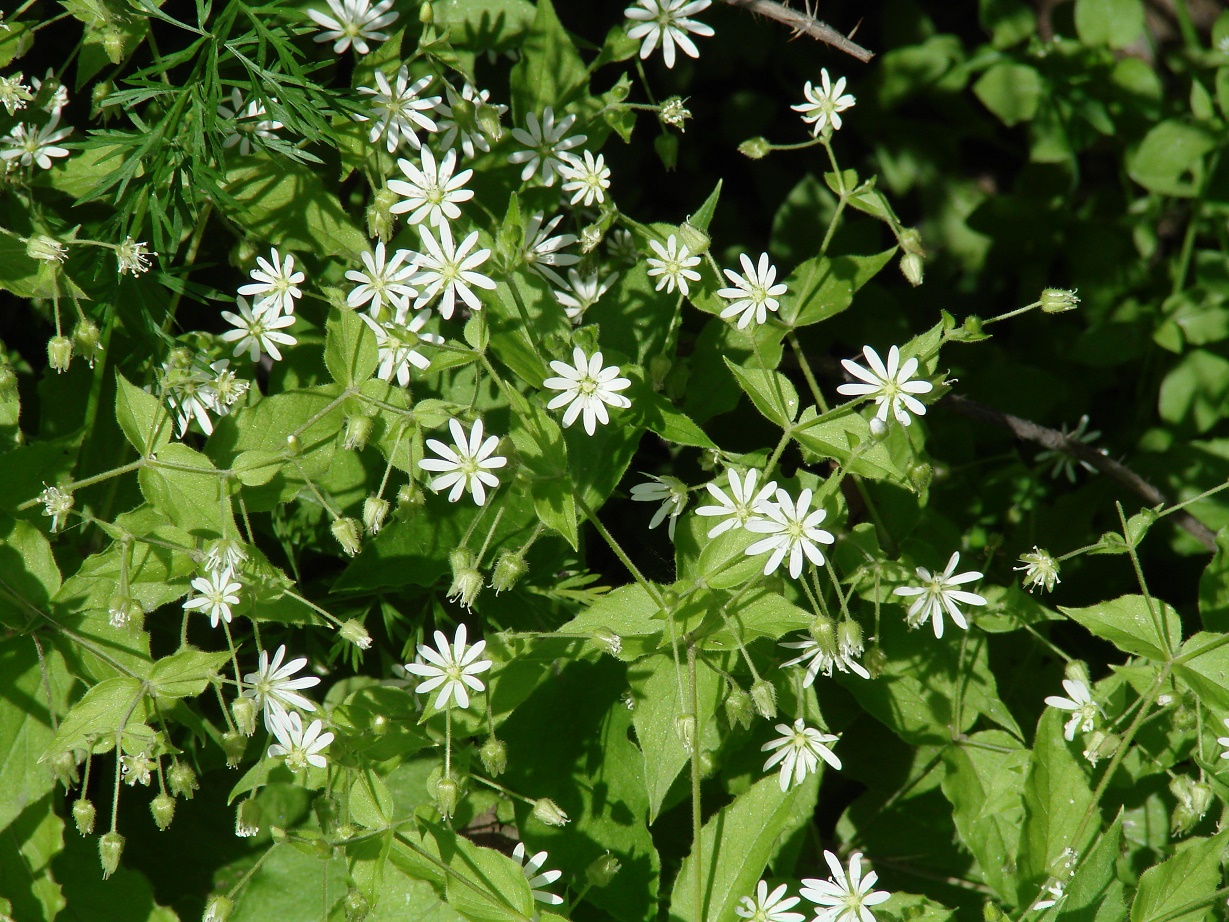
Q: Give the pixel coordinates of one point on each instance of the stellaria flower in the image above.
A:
(354, 22)
(798, 751)
(468, 466)
(586, 387)
(586, 179)
(432, 191)
(275, 282)
(273, 686)
(768, 907)
(448, 271)
(397, 345)
(582, 292)
(844, 897)
(741, 504)
(792, 530)
(530, 868)
(892, 385)
(544, 144)
(218, 592)
(398, 110)
(379, 281)
(938, 594)
(674, 265)
(670, 492)
(824, 104)
(667, 22)
(301, 747)
(541, 251)
(1040, 569)
(755, 292)
(30, 144)
(1084, 711)
(469, 130)
(819, 659)
(257, 332)
(250, 121)
(450, 667)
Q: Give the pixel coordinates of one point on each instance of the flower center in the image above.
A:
(586, 386)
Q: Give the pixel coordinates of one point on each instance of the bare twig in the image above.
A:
(804, 24)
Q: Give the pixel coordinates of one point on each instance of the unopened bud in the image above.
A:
(1059, 300)
(608, 641)
(110, 848)
(849, 638)
(233, 744)
(380, 215)
(510, 566)
(685, 728)
(218, 909)
(243, 709)
(356, 906)
(696, 240)
(426, 13)
(738, 707)
(446, 793)
(247, 819)
(354, 632)
(375, 511)
(65, 766)
(494, 756)
(920, 474)
(879, 429)
(113, 44)
(548, 812)
(911, 268)
(163, 809)
(466, 580)
(358, 431)
(293, 444)
(910, 241)
(346, 531)
(755, 148)
(823, 630)
(88, 340)
(487, 117)
(182, 780)
(46, 249)
(602, 870)
(764, 698)
(409, 497)
(83, 816)
(1101, 745)
(590, 237)
(59, 353)
(1077, 671)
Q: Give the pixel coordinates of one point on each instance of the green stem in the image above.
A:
(618, 550)
(697, 824)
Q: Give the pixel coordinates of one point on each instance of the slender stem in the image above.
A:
(618, 550)
(1157, 622)
(90, 481)
(816, 393)
(697, 819)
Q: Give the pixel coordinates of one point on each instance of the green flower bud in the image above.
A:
(608, 640)
(380, 215)
(494, 756)
(426, 13)
(764, 697)
(88, 340)
(1077, 671)
(849, 639)
(548, 812)
(910, 241)
(685, 728)
(110, 848)
(163, 809)
(1058, 300)
(697, 241)
(346, 531)
(446, 793)
(375, 510)
(591, 237)
(354, 632)
(247, 819)
(602, 870)
(510, 566)
(293, 444)
(1101, 745)
(738, 706)
(879, 429)
(487, 118)
(466, 580)
(182, 780)
(65, 766)
(218, 909)
(83, 816)
(113, 44)
(243, 709)
(233, 744)
(46, 249)
(358, 431)
(409, 497)
(823, 630)
(920, 474)
(755, 148)
(59, 353)
(911, 268)
(356, 906)
(347, 831)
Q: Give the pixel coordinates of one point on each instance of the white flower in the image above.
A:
(1049, 896)
(57, 503)
(582, 292)
(822, 660)
(450, 269)
(397, 345)
(218, 592)
(1084, 710)
(468, 466)
(893, 386)
(251, 121)
(382, 280)
(1224, 740)
(191, 390)
(1061, 462)
(798, 750)
(273, 687)
(471, 134)
(300, 747)
(754, 293)
(432, 191)
(257, 332)
(14, 94)
(674, 265)
(531, 868)
(354, 21)
(450, 668)
(541, 250)
(824, 104)
(622, 246)
(545, 143)
(28, 144)
(397, 110)
(791, 530)
(227, 389)
(670, 492)
(741, 504)
(225, 554)
(1040, 569)
(936, 595)
(587, 180)
(844, 898)
(666, 21)
(768, 907)
(132, 256)
(274, 286)
(587, 387)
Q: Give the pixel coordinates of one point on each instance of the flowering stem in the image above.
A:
(806, 371)
(697, 824)
(1157, 623)
(491, 533)
(614, 546)
(776, 453)
(90, 481)
(495, 785)
(1016, 313)
(448, 742)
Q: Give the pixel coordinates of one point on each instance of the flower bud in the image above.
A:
(355, 904)
(738, 707)
(920, 474)
(1058, 300)
(358, 431)
(409, 497)
(218, 909)
(1077, 671)
(65, 767)
(426, 13)
(466, 580)
(487, 118)
(879, 429)
(590, 238)
(823, 630)
(247, 819)
(755, 148)
(46, 249)
(548, 812)
(345, 530)
(696, 240)
(163, 809)
(602, 870)
(182, 780)
(293, 444)
(494, 756)
(113, 44)
(233, 744)
(243, 709)
(685, 727)
(510, 566)
(446, 793)
(110, 848)
(347, 831)
(764, 697)
(674, 113)
(125, 612)
(911, 268)
(379, 214)
(354, 632)
(88, 340)
(849, 639)
(910, 241)
(375, 511)
(83, 816)
(59, 353)
(1101, 745)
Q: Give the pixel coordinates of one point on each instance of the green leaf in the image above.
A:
(1204, 664)
(106, 708)
(630, 613)
(541, 449)
(823, 287)
(1170, 158)
(484, 24)
(1190, 876)
(255, 468)
(145, 422)
(27, 848)
(370, 802)
(184, 485)
(1094, 893)
(349, 348)
(288, 886)
(704, 216)
(736, 846)
(550, 71)
(484, 885)
(1011, 91)
(846, 438)
(1116, 23)
(29, 577)
(185, 674)
(1008, 21)
(772, 393)
(666, 420)
(1195, 392)
(1127, 623)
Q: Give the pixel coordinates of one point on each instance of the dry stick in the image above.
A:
(804, 24)
(1059, 441)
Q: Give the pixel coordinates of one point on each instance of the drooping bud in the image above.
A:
(608, 640)
(375, 511)
(182, 780)
(110, 848)
(358, 431)
(466, 580)
(911, 268)
(446, 793)
(1059, 300)
(409, 497)
(849, 639)
(88, 339)
(65, 766)
(218, 909)
(247, 819)
(59, 353)
(356, 906)
(920, 475)
(685, 729)
(1194, 798)
(823, 630)
(487, 118)
(163, 809)
(548, 812)
(696, 240)
(764, 697)
(354, 632)
(494, 756)
(233, 744)
(755, 148)
(380, 215)
(83, 816)
(510, 566)
(346, 531)
(590, 237)
(1101, 745)
(243, 709)
(738, 706)
(602, 870)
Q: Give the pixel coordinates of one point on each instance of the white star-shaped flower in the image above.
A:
(844, 897)
(28, 144)
(545, 143)
(470, 134)
(250, 121)
(667, 21)
(468, 466)
(586, 387)
(397, 109)
(541, 250)
(380, 280)
(257, 332)
(448, 271)
(530, 868)
(397, 345)
(431, 191)
(819, 659)
(582, 292)
(892, 386)
(273, 686)
(824, 104)
(1084, 711)
(768, 907)
(798, 751)
(450, 667)
(754, 293)
(670, 492)
(791, 529)
(674, 264)
(301, 747)
(354, 22)
(191, 392)
(1224, 740)
(586, 179)
(274, 286)
(218, 592)
(741, 504)
(938, 594)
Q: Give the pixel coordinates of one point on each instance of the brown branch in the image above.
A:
(804, 24)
